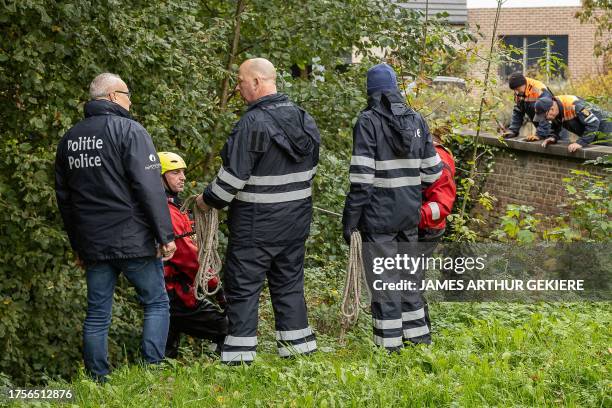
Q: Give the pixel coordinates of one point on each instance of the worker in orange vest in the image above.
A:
(526, 92)
(588, 121)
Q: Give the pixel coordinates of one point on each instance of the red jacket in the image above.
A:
(180, 271)
(438, 198)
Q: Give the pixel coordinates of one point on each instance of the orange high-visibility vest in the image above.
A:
(533, 89)
(569, 109)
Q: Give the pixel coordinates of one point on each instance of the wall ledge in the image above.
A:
(591, 152)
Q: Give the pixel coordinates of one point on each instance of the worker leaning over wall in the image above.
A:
(269, 162)
(198, 318)
(393, 159)
(526, 92)
(586, 120)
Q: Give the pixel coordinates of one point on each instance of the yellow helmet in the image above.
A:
(170, 161)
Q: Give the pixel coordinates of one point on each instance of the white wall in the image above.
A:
(471, 4)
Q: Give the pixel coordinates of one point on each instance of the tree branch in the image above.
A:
(240, 6)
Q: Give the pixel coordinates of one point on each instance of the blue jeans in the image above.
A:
(147, 276)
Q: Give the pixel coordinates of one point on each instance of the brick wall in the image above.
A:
(524, 173)
(543, 21)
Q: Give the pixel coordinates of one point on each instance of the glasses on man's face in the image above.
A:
(128, 93)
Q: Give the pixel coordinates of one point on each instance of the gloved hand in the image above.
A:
(348, 231)
(509, 134)
(220, 298)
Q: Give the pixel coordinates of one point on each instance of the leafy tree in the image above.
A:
(598, 12)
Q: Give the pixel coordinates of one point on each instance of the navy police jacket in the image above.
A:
(107, 183)
(269, 162)
(393, 159)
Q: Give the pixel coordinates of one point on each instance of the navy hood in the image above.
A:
(391, 105)
(299, 134)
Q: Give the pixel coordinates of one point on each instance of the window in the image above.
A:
(531, 51)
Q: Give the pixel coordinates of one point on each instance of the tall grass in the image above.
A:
(486, 354)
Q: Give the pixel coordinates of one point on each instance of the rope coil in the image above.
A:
(206, 230)
(351, 299)
(207, 240)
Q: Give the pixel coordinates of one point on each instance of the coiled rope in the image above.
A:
(353, 281)
(207, 227)
(351, 299)
(207, 239)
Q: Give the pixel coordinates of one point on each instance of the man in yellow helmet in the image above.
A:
(198, 318)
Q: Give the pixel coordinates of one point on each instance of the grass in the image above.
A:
(486, 354)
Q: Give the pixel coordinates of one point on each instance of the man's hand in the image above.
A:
(509, 134)
(532, 138)
(78, 261)
(549, 140)
(201, 204)
(166, 251)
(573, 147)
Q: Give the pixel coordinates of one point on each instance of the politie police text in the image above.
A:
(84, 160)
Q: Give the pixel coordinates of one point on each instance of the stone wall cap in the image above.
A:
(590, 152)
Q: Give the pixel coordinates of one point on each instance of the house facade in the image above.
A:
(544, 34)
(456, 9)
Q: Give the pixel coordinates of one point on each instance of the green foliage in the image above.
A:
(517, 225)
(53, 50)
(599, 13)
(588, 209)
(585, 214)
(595, 89)
(424, 51)
(551, 64)
(602, 161)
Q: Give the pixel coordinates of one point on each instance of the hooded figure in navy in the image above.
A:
(393, 159)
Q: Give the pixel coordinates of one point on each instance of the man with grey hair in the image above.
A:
(107, 185)
(269, 163)
(104, 85)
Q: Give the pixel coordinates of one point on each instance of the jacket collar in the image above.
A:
(389, 104)
(268, 100)
(377, 98)
(561, 115)
(173, 198)
(98, 107)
